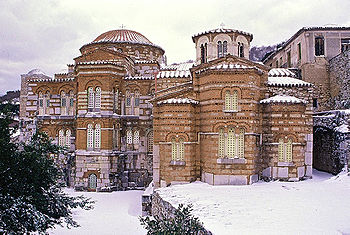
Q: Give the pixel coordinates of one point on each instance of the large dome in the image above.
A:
(123, 35)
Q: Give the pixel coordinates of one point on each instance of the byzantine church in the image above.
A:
(126, 118)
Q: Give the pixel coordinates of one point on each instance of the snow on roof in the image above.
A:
(146, 62)
(281, 72)
(178, 101)
(49, 79)
(36, 72)
(176, 70)
(139, 78)
(282, 99)
(223, 30)
(286, 81)
(228, 66)
(114, 62)
(344, 128)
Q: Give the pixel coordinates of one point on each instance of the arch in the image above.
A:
(66, 88)
(98, 94)
(90, 137)
(68, 135)
(92, 181)
(93, 83)
(178, 135)
(97, 136)
(61, 138)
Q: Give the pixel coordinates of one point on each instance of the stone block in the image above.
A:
(301, 171)
(274, 172)
(267, 172)
(163, 184)
(209, 178)
(309, 146)
(308, 171)
(308, 158)
(282, 172)
(253, 179)
(221, 179)
(237, 180)
(79, 174)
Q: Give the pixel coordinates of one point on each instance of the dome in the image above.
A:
(36, 72)
(123, 35)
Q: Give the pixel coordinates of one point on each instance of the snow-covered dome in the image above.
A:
(123, 35)
(36, 72)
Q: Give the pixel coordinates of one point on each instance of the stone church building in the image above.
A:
(126, 118)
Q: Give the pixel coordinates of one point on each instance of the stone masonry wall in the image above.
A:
(164, 209)
(339, 75)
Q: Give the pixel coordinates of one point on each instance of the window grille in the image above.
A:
(91, 97)
(68, 135)
(221, 143)
(231, 143)
(90, 137)
(98, 98)
(129, 136)
(61, 138)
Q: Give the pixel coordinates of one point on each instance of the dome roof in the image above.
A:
(36, 72)
(123, 35)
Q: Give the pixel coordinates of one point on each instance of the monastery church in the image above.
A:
(127, 118)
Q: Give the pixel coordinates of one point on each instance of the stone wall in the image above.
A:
(332, 140)
(164, 209)
(339, 75)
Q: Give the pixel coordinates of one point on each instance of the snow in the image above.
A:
(317, 206)
(114, 213)
(281, 72)
(344, 128)
(178, 101)
(286, 81)
(282, 99)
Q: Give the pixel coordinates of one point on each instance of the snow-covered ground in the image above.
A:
(317, 206)
(114, 213)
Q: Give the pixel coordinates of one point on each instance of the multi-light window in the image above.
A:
(150, 142)
(93, 137)
(231, 144)
(319, 46)
(285, 150)
(94, 98)
(222, 49)
(115, 136)
(64, 138)
(44, 103)
(128, 98)
(67, 102)
(177, 149)
(231, 101)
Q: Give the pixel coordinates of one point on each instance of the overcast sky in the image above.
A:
(47, 34)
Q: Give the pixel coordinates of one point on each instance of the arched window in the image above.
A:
(150, 142)
(220, 54)
(91, 98)
(116, 99)
(92, 181)
(98, 98)
(240, 49)
(63, 103)
(231, 143)
(231, 101)
(181, 149)
(241, 143)
(71, 103)
(61, 138)
(129, 136)
(136, 137)
(285, 150)
(204, 53)
(41, 103)
(221, 143)
(173, 149)
(319, 46)
(97, 137)
(68, 135)
(90, 137)
(128, 98)
(137, 98)
(115, 136)
(228, 104)
(47, 102)
(224, 48)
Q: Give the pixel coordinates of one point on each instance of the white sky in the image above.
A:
(47, 34)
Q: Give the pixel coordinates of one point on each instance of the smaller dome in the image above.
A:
(36, 72)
